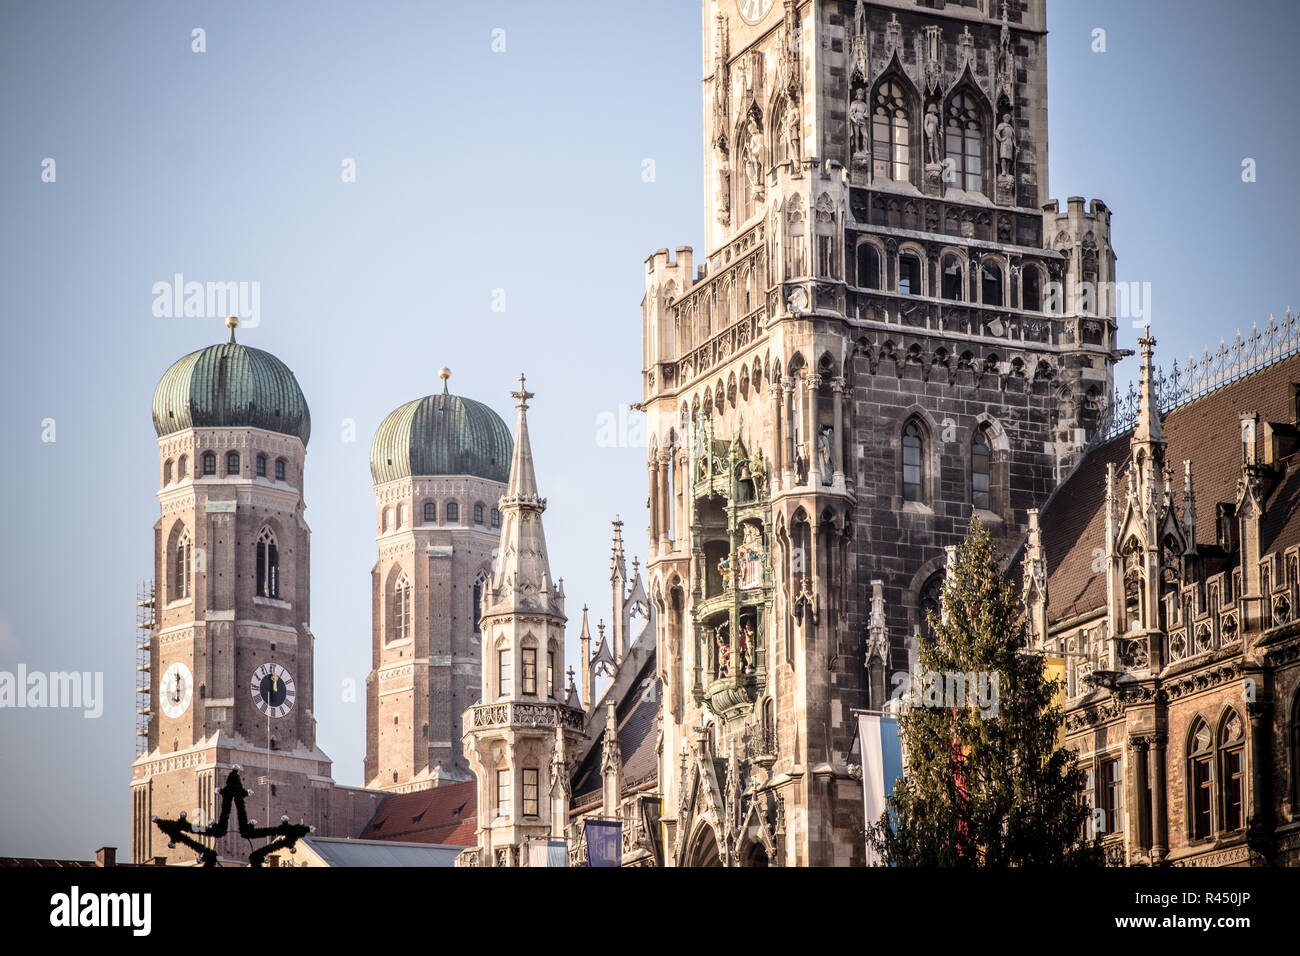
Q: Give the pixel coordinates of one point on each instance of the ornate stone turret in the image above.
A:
(520, 738)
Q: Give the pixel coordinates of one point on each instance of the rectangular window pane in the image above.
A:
(503, 792)
(503, 671)
(530, 793)
(530, 671)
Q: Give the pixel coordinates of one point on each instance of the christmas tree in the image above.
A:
(986, 783)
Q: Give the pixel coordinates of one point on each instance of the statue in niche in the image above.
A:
(746, 647)
(724, 652)
(933, 145)
(724, 569)
(792, 138)
(722, 193)
(859, 118)
(1005, 134)
(749, 560)
(752, 159)
(825, 453)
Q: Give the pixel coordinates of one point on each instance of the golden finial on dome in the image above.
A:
(444, 373)
(232, 323)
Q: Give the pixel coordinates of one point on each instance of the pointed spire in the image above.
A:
(523, 481)
(1148, 416)
(232, 323)
(523, 574)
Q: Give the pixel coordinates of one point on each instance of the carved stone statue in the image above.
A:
(746, 648)
(933, 147)
(752, 158)
(1005, 134)
(722, 194)
(859, 117)
(825, 455)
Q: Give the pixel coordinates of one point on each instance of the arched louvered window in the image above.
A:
(268, 565)
(430, 511)
(261, 466)
(232, 463)
(182, 567)
(399, 628)
(209, 463)
(453, 512)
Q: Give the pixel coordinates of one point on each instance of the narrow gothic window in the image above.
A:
(979, 471)
(931, 604)
(400, 628)
(952, 279)
(453, 512)
(912, 471)
(261, 466)
(478, 601)
(209, 463)
(232, 463)
(183, 468)
(1231, 745)
(530, 791)
(529, 674)
(963, 142)
(890, 133)
(1089, 800)
(909, 275)
(268, 565)
(496, 518)
(478, 514)
(991, 284)
(550, 673)
(1201, 778)
(182, 568)
(1112, 780)
(167, 472)
(279, 469)
(868, 266)
(503, 673)
(430, 511)
(503, 793)
(1031, 292)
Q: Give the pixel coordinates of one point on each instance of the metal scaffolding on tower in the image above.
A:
(144, 628)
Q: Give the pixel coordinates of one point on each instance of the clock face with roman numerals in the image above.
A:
(273, 690)
(754, 10)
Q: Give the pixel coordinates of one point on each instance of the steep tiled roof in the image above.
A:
(1206, 431)
(636, 712)
(446, 815)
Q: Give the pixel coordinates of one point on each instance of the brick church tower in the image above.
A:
(892, 330)
(230, 652)
(439, 466)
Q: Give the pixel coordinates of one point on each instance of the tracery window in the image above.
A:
(964, 142)
(1200, 772)
(931, 604)
(182, 567)
(400, 609)
(891, 147)
(268, 565)
(1232, 772)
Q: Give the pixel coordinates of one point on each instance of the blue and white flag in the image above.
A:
(604, 843)
(882, 765)
(548, 853)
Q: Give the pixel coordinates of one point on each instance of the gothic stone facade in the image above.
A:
(1165, 575)
(888, 334)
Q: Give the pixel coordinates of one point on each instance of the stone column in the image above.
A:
(777, 465)
(655, 519)
(1137, 794)
(665, 458)
(837, 386)
(1159, 821)
(1259, 814)
(788, 447)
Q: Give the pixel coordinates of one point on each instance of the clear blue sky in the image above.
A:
(476, 171)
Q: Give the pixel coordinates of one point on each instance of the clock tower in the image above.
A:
(230, 651)
(891, 331)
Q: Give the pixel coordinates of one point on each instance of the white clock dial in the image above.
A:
(273, 689)
(754, 10)
(176, 690)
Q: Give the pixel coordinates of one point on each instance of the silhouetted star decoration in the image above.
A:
(181, 831)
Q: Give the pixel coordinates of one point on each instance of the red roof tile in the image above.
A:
(446, 815)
